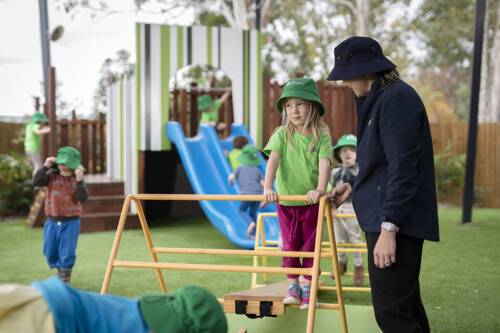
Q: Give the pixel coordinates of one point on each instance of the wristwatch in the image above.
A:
(389, 226)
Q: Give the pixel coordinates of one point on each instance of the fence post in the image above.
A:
(193, 119)
(102, 146)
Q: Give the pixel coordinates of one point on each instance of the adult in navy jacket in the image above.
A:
(394, 194)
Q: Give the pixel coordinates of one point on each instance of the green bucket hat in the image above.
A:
(249, 156)
(190, 309)
(68, 156)
(205, 102)
(304, 88)
(344, 140)
(39, 117)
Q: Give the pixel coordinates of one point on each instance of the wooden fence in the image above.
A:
(88, 136)
(338, 101)
(487, 171)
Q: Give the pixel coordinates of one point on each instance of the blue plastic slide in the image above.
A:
(208, 169)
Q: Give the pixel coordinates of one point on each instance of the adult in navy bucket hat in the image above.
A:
(394, 193)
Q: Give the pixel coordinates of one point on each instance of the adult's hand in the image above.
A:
(384, 253)
(339, 194)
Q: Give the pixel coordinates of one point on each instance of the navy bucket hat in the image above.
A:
(357, 56)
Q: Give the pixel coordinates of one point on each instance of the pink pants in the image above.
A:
(298, 232)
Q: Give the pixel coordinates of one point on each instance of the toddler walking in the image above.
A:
(347, 230)
(66, 190)
(299, 158)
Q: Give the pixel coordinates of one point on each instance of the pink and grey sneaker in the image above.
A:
(293, 295)
(306, 294)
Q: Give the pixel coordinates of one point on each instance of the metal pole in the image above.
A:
(474, 104)
(44, 37)
(257, 14)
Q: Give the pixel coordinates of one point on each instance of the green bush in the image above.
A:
(450, 171)
(16, 191)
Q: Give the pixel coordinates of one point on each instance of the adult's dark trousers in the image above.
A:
(396, 290)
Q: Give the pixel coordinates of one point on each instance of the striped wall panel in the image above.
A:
(163, 50)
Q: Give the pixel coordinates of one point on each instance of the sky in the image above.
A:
(77, 56)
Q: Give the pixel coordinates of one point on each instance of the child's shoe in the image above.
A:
(359, 276)
(306, 295)
(293, 295)
(64, 274)
(342, 269)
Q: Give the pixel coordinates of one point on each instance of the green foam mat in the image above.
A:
(360, 319)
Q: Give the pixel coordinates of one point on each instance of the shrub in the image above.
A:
(16, 191)
(450, 171)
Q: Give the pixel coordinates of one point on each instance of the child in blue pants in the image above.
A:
(250, 181)
(63, 176)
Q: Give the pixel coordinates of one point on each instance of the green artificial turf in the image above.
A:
(460, 278)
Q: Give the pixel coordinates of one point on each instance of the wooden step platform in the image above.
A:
(262, 301)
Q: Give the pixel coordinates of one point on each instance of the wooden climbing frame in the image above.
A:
(262, 244)
(314, 271)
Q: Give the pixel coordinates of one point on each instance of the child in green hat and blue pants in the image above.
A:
(66, 191)
(52, 306)
(250, 180)
(299, 158)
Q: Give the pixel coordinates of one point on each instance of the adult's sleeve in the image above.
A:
(400, 123)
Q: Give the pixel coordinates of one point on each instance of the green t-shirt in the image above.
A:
(298, 169)
(213, 115)
(31, 139)
(233, 158)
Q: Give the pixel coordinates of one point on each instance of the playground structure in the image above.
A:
(233, 303)
(262, 242)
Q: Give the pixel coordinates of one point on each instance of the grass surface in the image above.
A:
(460, 279)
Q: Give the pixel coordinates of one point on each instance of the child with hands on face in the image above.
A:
(299, 158)
(66, 191)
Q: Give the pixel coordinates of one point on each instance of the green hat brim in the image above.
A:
(299, 93)
(337, 147)
(68, 156)
(39, 117)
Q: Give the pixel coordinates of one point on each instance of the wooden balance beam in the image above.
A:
(264, 301)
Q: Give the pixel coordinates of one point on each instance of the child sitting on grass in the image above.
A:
(52, 306)
(250, 180)
(66, 191)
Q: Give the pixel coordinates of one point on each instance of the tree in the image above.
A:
(112, 70)
(446, 30)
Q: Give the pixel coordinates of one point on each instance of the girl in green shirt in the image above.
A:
(299, 158)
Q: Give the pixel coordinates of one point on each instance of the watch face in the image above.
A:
(389, 226)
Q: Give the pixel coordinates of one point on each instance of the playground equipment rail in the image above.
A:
(262, 244)
(324, 209)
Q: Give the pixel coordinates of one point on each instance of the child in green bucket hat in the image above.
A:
(347, 230)
(210, 109)
(32, 138)
(299, 158)
(63, 175)
(54, 306)
(250, 180)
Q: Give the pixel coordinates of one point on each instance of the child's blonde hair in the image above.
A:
(314, 121)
